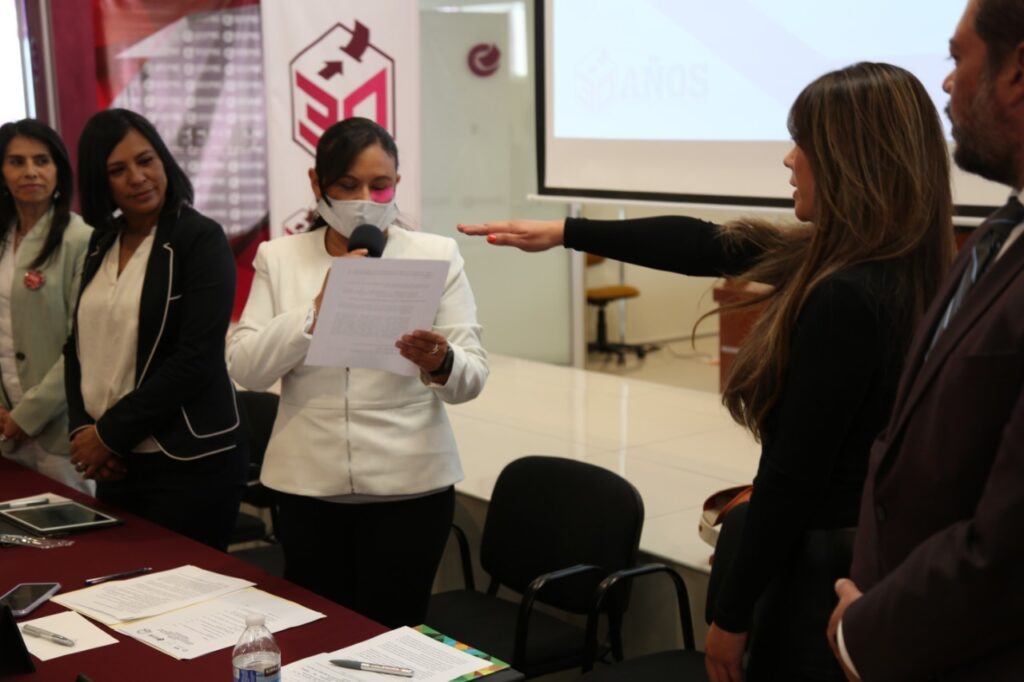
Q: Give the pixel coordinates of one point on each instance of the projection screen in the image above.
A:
(687, 100)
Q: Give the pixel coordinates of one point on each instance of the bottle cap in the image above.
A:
(254, 619)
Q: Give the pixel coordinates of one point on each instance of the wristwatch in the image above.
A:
(446, 364)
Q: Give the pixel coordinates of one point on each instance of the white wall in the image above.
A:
(479, 165)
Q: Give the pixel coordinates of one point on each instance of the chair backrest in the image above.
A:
(261, 410)
(549, 513)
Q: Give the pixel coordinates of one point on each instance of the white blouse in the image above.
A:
(108, 332)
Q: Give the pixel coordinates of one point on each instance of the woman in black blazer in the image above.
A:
(816, 377)
(153, 415)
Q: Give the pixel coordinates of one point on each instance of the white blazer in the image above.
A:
(343, 431)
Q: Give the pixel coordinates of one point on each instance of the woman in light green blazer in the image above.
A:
(42, 248)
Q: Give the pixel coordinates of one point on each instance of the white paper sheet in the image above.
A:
(369, 303)
(149, 595)
(70, 624)
(215, 624)
(430, 660)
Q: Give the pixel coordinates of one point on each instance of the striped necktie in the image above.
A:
(996, 228)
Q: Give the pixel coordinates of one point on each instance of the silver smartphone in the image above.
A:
(24, 598)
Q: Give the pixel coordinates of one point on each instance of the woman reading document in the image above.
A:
(364, 460)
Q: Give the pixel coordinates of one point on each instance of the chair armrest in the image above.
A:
(467, 566)
(621, 577)
(530, 596)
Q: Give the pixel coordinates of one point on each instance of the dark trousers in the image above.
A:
(787, 633)
(378, 559)
(788, 640)
(197, 498)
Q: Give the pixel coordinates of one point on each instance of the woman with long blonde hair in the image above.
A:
(816, 377)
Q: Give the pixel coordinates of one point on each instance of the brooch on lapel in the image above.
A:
(34, 279)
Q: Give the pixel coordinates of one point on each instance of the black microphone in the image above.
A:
(367, 237)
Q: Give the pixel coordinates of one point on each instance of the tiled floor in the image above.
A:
(677, 363)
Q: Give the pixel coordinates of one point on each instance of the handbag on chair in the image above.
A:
(717, 508)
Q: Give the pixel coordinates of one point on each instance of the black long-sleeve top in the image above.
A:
(845, 357)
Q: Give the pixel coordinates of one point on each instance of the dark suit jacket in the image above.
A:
(183, 396)
(940, 544)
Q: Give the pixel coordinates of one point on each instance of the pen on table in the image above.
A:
(373, 667)
(24, 503)
(46, 634)
(117, 576)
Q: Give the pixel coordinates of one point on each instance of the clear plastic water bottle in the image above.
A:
(256, 657)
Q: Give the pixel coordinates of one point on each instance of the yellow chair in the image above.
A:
(601, 297)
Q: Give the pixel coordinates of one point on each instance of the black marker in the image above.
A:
(118, 576)
(373, 667)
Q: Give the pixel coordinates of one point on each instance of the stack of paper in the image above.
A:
(430, 655)
(368, 304)
(185, 612)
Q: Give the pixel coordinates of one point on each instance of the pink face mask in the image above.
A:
(382, 196)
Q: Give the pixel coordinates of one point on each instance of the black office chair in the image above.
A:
(555, 527)
(260, 409)
(682, 665)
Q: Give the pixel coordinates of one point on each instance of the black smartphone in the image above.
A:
(24, 598)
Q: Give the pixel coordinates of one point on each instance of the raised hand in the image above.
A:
(527, 235)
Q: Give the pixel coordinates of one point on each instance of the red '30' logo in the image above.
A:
(339, 75)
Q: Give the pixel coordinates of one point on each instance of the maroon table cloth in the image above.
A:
(139, 543)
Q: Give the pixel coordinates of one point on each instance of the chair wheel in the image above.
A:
(641, 353)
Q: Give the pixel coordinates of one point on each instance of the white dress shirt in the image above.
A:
(108, 331)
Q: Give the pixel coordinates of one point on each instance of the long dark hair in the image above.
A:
(40, 132)
(101, 134)
(341, 145)
(881, 193)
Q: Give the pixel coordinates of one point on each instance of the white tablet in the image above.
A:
(58, 517)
